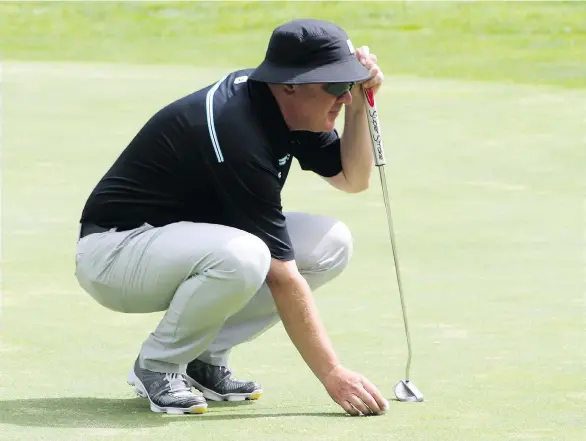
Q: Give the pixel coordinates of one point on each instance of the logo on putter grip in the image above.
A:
(376, 135)
(369, 97)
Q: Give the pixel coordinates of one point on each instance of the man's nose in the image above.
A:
(345, 98)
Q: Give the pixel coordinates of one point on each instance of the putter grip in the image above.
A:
(374, 127)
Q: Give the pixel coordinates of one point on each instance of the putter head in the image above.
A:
(408, 392)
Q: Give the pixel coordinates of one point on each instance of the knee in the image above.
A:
(247, 259)
(340, 246)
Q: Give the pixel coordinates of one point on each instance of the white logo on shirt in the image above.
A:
(239, 80)
(284, 159)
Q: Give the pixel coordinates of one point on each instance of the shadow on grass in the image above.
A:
(81, 412)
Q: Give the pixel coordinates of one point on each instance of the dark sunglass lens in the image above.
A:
(338, 89)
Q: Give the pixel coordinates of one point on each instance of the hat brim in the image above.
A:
(349, 70)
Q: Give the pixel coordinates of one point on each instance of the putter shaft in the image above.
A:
(383, 179)
(379, 160)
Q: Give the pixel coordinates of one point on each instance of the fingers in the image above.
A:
(349, 408)
(376, 78)
(362, 53)
(363, 402)
(366, 58)
(383, 404)
(359, 405)
(354, 393)
(369, 401)
(370, 61)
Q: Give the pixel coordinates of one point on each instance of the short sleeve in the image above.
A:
(251, 194)
(319, 152)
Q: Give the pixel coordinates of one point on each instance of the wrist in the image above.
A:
(327, 373)
(357, 104)
(356, 107)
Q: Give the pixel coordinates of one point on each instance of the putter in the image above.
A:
(405, 390)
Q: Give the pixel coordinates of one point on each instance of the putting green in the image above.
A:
(487, 191)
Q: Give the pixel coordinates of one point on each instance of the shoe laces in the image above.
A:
(226, 373)
(177, 383)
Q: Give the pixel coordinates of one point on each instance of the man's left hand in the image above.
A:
(369, 60)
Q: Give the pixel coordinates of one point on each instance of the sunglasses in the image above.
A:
(338, 89)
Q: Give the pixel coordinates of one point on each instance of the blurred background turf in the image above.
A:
(531, 42)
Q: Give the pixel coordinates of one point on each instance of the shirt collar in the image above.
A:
(267, 109)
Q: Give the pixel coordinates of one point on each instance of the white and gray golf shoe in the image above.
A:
(167, 393)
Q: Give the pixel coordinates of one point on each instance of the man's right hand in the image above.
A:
(298, 312)
(354, 393)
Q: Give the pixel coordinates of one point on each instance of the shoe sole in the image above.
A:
(140, 390)
(209, 394)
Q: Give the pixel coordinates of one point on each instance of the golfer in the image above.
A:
(188, 220)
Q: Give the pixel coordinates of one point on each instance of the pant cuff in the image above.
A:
(161, 366)
(216, 358)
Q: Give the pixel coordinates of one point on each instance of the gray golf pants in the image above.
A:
(210, 280)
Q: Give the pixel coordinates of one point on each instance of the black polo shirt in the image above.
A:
(219, 155)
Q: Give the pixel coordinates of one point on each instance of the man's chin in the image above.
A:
(327, 126)
(330, 124)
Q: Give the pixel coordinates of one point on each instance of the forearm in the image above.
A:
(356, 148)
(300, 317)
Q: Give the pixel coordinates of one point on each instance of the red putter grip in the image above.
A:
(369, 97)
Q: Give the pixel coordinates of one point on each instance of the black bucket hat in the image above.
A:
(310, 51)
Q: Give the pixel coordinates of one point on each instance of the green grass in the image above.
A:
(487, 187)
(489, 220)
(539, 42)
